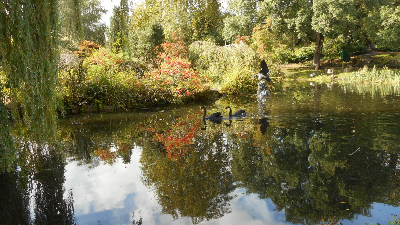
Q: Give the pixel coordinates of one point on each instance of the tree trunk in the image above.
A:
(318, 51)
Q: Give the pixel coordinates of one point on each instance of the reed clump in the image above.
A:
(375, 81)
(374, 75)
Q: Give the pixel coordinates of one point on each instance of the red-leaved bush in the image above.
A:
(174, 79)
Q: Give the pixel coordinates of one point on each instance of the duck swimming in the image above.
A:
(240, 113)
(215, 117)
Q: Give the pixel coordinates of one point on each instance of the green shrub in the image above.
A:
(100, 80)
(303, 54)
(282, 54)
(332, 48)
(105, 79)
(356, 48)
(237, 80)
(228, 67)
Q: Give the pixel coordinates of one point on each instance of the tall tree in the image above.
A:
(71, 29)
(388, 27)
(146, 30)
(118, 33)
(240, 19)
(196, 19)
(352, 20)
(80, 20)
(176, 16)
(206, 19)
(332, 18)
(93, 29)
(290, 19)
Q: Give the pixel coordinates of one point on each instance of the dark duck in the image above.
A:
(238, 114)
(263, 77)
(215, 117)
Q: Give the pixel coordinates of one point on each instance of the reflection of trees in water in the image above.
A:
(40, 179)
(197, 185)
(14, 201)
(50, 207)
(308, 166)
(314, 168)
(95, 141)
(313, 172)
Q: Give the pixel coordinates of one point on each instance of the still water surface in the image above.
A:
(306, 155)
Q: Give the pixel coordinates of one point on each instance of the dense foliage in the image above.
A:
(29, 52)
(106, 78)
(228, 67)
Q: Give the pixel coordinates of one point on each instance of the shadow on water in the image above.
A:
(317, 153)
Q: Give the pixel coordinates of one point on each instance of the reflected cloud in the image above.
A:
(111, 193)
(250, 209)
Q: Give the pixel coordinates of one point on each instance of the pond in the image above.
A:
(310, 154)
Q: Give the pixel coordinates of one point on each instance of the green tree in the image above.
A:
(7, 150)
(205, 20)
(387, 35)
(303, 21)
(118, 32)
(80, 20)
(177, 16)
(197, 20)
(144, 40)
(290, 20)
(71, 27)
(171, 15)
(240, 19)
(332, 18)
(93, 29)
(356, 22)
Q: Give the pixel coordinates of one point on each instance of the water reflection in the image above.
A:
(34, 194)
(196, 185)
(264, 123)
(311, 153)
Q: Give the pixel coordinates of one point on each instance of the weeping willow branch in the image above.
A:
(29, 50)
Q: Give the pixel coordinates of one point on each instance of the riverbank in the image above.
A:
(338, 70)
(371, 58)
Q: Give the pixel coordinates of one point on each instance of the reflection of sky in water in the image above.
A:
(110, 194)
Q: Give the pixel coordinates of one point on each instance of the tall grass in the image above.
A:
(380, 76)
(373, 81)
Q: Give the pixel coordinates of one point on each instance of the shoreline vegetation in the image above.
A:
(96, 79)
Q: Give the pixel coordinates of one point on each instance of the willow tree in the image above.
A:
(28, 48)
